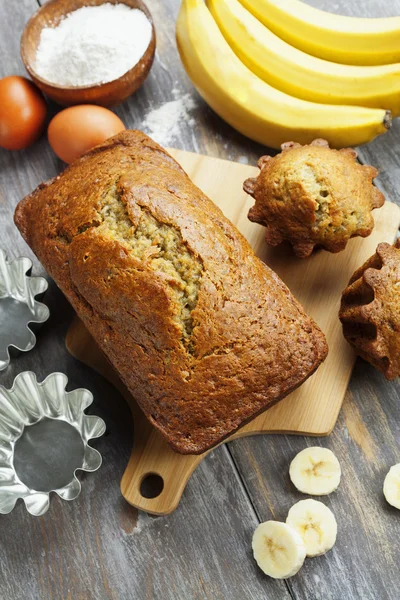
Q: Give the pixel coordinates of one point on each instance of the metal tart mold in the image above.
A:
(44, 440)
(20, 311)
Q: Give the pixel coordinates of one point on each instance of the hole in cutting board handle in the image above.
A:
(151, 485)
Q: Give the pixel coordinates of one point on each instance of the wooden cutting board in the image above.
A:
(317, 282)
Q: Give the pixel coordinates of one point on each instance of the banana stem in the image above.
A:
(387, 119)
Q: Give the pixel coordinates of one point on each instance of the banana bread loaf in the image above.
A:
(203, 334)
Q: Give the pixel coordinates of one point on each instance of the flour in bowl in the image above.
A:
(93, 44)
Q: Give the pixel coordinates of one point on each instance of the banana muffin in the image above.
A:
(313, 196)
(370, 310)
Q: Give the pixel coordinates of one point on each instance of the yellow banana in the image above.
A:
(250, 105)
(347, 40)
(299, 74)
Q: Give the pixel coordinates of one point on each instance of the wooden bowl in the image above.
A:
(104, 94)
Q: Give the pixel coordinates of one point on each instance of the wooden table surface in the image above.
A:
(98, 547)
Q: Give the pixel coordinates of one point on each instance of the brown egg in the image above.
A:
(22, 112)
(77, 129)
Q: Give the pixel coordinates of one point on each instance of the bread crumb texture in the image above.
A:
(203, 334)
(313, 196)
(161, 248)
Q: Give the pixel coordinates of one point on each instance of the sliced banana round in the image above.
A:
(315, 523)
(278, 549)
(315, 471)
(391, 486)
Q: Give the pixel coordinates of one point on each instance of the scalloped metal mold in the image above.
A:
(44, 435)
(18, 307)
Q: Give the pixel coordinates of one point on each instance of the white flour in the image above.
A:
(93, 44)
(163, 124)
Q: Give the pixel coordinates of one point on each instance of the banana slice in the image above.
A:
(278, 549)
(391, 486)
(315, 471)
(315, 523)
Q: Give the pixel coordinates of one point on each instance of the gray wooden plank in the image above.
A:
(364, 562)
(105, 550)
(369, 8)
(98, 547)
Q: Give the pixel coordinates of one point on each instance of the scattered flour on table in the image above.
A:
(175, 92)
(163, 124)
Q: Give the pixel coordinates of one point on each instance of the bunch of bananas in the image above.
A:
(273, 70)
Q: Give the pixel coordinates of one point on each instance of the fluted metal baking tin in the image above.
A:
(29, 403)
(19, 310)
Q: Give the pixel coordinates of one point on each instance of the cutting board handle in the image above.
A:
(153, 462)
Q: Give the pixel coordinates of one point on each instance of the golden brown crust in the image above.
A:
(246, 343)
(313, 196)
(370, 310)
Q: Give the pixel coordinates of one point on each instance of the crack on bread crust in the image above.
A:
(161, 247)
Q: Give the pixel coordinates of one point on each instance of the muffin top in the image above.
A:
(313, 196)
(370, 310)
